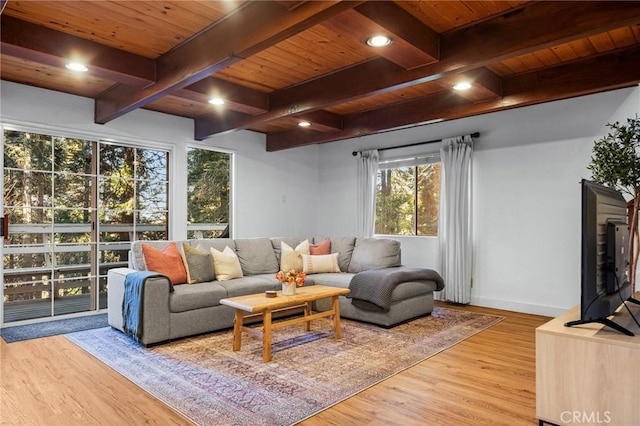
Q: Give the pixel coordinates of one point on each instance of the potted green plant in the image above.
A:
(616, 163)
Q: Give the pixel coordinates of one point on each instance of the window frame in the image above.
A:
(232, 184)
(96, 139)
(397, 160)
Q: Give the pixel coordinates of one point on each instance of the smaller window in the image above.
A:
(408, 197)
(208, 191)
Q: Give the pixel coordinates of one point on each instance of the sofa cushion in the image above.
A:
(216, 243)
(343, 246)
(226, 264)
(196, 296)
(372, 253)
(199, 264)
(251, 285)
(334, 280)
(167, 261)
(315, 264)
(256, 256)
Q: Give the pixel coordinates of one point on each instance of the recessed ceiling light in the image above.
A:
(216, 101)
(304, 124)
(462, 86)
(379, 41)
(76, 66)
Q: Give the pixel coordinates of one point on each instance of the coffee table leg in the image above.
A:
(307, 312)
(237, 330)
(336, 318)
(266, 336)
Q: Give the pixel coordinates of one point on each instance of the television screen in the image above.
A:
(604, 259)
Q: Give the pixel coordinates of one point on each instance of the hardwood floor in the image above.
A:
(489, 379)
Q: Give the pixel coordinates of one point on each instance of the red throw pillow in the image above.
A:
(166, 261)
(321, 248)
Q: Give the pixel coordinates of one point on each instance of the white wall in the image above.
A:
(274, 193)
(527, 166)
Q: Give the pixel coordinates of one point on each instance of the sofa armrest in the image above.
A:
(155, 318)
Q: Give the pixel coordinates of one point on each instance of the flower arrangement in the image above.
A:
(291, 277)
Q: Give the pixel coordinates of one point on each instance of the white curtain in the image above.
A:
(366, 193)
(454, 229)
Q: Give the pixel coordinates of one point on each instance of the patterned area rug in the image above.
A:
(202, 378)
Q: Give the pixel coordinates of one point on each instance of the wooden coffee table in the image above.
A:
(260, 305)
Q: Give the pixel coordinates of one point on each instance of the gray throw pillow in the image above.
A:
(256, 256)
(372, 253)
(199, 265)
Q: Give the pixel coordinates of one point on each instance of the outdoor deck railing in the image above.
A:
(35, 282)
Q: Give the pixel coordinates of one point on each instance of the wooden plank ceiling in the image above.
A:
(278, 63)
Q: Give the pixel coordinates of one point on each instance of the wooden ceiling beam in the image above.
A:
(423, 43)
(212, 122)
(254, 27)
(237, 98)
(24, 40)
(615, 70)
(413, 43)
(536, 26)
(322, 121)
(485, 84)
(348, 79)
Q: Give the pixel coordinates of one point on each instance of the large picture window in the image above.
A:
(408, 198)
(73, 207)
(208, 193)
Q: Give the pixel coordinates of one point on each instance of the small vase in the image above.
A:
(288, 289)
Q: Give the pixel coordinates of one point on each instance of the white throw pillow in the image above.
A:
(320, 263)
(292, 258)
(226, 264)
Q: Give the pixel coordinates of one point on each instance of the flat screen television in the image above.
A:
(605, 283)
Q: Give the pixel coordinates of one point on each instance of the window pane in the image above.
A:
(72, 190)
(116, 193)
(151, 225)
(211, 233)
(27, 188)
(117, 161)
(31, 261)
(28, 226)
(395, 201)
(208, 183)
(428, 199)
(151, 164)
(111, 257)
(29, 151)
(116, 220)
(73, 258)
(72, 155)
(72, 226)
(76, 293)
(151, 195)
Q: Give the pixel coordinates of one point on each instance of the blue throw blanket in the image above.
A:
(132, 302)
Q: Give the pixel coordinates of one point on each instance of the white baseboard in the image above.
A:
(510, 305)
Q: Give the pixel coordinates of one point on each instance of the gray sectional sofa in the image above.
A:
(174, 311)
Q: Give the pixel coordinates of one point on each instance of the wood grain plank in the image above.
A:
(489, 379)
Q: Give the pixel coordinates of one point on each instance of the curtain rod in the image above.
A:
(354, 153)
